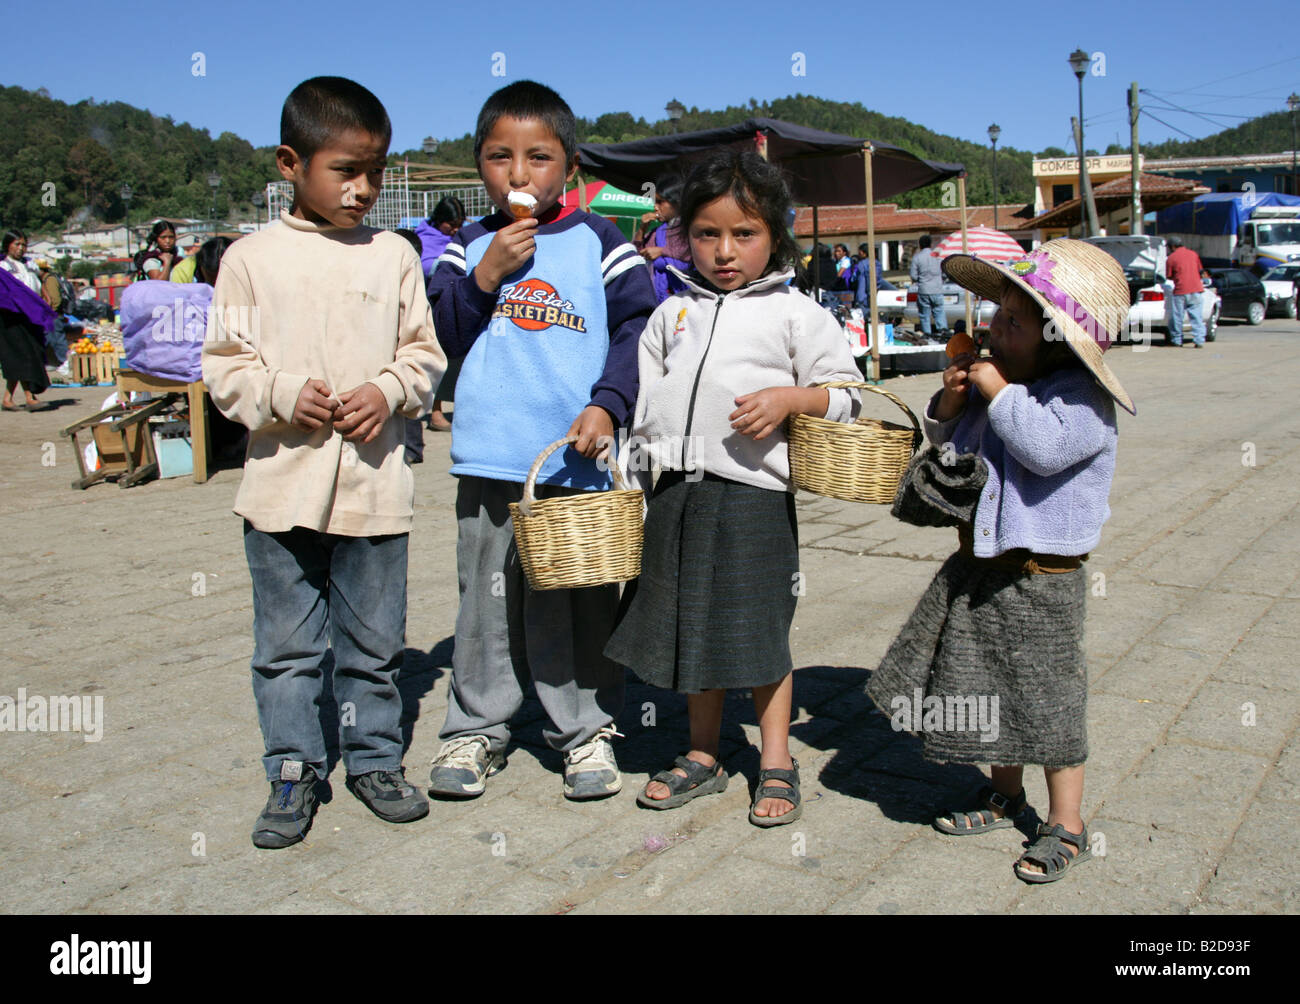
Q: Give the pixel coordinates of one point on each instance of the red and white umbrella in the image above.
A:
(982, 242)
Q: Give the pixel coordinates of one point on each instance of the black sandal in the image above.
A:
(1048, 853)
(790, 794)
(699, 780)
(981, 818)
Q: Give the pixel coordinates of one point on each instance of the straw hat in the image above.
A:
(1081, 289)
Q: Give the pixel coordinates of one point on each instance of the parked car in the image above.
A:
(1151, 293)
(1280, 287)
(954, 307)
(1242, 293)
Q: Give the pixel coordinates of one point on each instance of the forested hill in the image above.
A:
(61, 163)
(59, 160)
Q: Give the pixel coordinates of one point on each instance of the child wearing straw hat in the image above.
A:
(1000, 627)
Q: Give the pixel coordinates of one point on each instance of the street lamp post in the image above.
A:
(258, 200)
(1079, 61)
(125, 193)
(994, 132)
(1293, 102)
(214, 182)
(675, 110)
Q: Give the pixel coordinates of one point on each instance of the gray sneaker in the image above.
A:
(389, 795)
(288, 813)
(462, 765)
(590, 770)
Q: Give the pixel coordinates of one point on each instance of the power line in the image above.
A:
(1243, 73)
(1143, 110)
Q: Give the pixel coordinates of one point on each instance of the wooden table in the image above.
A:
(129, 380)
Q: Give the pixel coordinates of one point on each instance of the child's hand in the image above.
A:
(510, 248)
(761, 413)
(315, 407)
(362, 414)
(650, 252)
(595, 431)
(956, 387)
(987, 376)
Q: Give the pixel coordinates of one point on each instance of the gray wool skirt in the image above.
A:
(719, 576)
(990, 667)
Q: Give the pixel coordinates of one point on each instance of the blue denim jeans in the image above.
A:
(56, 339)
(1191, 303)
(311, 589)
(928, 304)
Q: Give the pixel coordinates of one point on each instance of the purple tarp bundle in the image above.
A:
(163, 325)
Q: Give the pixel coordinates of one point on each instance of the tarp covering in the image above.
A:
(163, 327)
(1217, 213)
(824, 168)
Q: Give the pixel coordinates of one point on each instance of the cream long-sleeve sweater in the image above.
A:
(701, 349)
(302, 301)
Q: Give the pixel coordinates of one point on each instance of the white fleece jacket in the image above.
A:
(701, 350)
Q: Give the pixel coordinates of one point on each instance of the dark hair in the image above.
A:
(924, 241)
(527, 99)
(448, 210)
(759, 191)
(319, 109)
(412, 238)
(669, 188)
(864, 248)
(1174, 242)
(9, 237)
(207, 259)
(160, 228)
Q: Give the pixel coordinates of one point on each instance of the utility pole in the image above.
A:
(1085, 184)
(1135, 204)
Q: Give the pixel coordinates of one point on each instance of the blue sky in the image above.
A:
(953, 67)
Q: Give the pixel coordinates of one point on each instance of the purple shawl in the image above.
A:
(17, 298)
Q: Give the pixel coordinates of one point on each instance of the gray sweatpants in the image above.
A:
(506, 632)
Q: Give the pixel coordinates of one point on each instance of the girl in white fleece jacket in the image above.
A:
(722, 366)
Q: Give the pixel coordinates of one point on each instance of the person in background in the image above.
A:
(858, 277)
(14, 261)
(928, 277)
(185, 270)
(56, 341)
(1184, 268)
(24, 316)
(666, 244)
(435, 233)
(157, 258)
(415, 427)
(842, 260)
(207, 259)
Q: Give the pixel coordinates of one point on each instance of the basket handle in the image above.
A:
(530, 483)
(917, 435)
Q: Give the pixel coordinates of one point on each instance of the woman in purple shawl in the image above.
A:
(668, 244)
(24, 319)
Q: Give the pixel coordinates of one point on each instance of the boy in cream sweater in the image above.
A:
(322, 337)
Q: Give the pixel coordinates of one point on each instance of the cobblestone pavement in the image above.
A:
(142, 597)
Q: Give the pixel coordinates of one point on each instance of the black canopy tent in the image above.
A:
(824, 169)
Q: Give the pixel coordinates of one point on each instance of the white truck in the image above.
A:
(1258, 231)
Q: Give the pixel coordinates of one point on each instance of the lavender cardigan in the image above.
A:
(1050, 447)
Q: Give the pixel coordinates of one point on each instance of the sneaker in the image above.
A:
(389, 795)
(288, 813)
(590, 770)
(461, 766)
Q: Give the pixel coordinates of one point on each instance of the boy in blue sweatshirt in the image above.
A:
(547, 313)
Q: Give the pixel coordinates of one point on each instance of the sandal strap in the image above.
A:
(1048, 852)
(791, 795)
(790, 777)
(696, 774)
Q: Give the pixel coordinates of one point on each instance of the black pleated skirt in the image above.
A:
(719, 582)
(22, 352)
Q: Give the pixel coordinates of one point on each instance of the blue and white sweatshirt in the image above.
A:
(559, 334)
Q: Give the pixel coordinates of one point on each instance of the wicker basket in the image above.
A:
(579, 540)
(862, 462)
